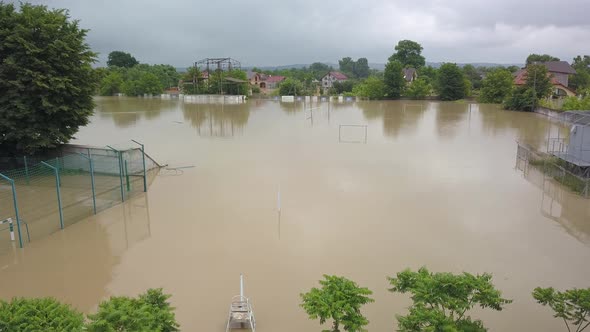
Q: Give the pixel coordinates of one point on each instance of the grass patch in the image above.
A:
(557, 169)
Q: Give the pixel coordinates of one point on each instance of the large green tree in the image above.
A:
(361, 68)
(409, 53)
(572, 306)
(451, 82)
(532, 58)
(340, 300)
(43, 314)
(537, 86)
(121, 59)
(497, 85)
(46, 78)
(441, 301)
(394, 79)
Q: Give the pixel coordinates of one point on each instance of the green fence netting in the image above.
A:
(55, 193)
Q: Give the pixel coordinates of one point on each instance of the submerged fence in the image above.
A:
(44, 196)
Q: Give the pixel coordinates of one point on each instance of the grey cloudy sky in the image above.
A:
(278, 32)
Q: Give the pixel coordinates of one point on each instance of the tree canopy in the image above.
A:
(46, 78)
(451, 83)
(572, 305)
(149, 312)
(43, 314)
(291, 87)
(409, 54)
(338, 299)
(121, 59)
(371, 88)
(358, 69)
(419, 89)
(394, 80)
(581, 80)
(497, 85)
(442, 300)
(537, 86)
(532, 58)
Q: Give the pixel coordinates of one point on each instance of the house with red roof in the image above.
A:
(330, 78)
(559, 71)
(271, 82)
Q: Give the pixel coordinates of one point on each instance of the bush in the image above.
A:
(371, 88)
(419, 89)
(521, 99)
(44, 314)
(576, 104)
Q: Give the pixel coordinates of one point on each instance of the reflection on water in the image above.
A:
(126, 111)
(559, 204)
(217, 120)
(76, 266)
(395, 116)
(434, 185)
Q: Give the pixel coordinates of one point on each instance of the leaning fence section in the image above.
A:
(44, 196)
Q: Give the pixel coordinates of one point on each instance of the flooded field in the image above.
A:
(366, 189)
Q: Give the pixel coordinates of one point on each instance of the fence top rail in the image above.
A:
(6, 178)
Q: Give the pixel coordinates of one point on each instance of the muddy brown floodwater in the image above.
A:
(434, 185)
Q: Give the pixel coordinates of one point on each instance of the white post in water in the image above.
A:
(11, 229)
(241, 285)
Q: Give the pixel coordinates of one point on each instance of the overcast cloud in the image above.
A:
(268, 32)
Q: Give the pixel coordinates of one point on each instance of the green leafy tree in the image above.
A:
(419, 89)
(371, 88)
(192, 83)
(581, 79)
(539, 80)
(451, 82)
(343, 87)
(361, 68)
(121, 59)
(409, 53)
(340, 300)
(46, 78)
(111, 84)
(473, 75)
(572, 306)
(150, 312)
(497, 85)
(521, 99)
(532, 58)
(513, 69)
(394, 79)
(346, 65)
(43, 314)
(291, 87)
(442, 300)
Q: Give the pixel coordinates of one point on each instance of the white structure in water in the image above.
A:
(575, 149)
(241, 315)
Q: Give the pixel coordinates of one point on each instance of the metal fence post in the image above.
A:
(57, 185)
(14, 201)
(91, 180)
(120, 157)
(144, 169)
(127, 177)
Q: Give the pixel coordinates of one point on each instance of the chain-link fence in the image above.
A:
(44, 196)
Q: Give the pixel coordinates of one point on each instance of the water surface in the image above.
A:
(435, 184)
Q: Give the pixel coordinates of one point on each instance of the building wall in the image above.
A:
(579, 145)
(561, 78)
